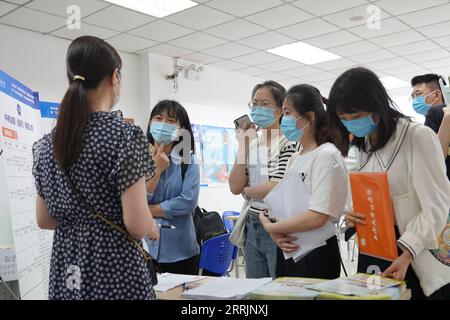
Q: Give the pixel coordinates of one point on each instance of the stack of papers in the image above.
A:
(225, 288)
(361, 287)
(287, 288)
(167, 281)
(292, 197)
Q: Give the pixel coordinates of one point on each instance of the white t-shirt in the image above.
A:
(324, 172)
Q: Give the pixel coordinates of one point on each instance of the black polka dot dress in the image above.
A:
(90, 260)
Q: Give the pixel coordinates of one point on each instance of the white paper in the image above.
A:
(225, 288)
(292, 197)
(167, 281)
(8, 266)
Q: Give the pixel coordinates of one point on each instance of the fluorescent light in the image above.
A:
(392, 82)
(304, 53)
(155, 8)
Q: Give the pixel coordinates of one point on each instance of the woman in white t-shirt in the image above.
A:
(322, 169)
(410, 153)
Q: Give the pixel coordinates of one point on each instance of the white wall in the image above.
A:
(39, 62)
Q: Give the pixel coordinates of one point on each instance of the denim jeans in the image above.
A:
(260, 250)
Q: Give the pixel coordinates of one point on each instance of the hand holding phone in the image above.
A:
(243, 122)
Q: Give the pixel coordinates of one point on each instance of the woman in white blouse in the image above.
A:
(388, 141)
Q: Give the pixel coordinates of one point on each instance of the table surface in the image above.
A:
(175, 293)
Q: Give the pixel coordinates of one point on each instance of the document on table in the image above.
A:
(167, 281)
(292, 197)
(225, 288)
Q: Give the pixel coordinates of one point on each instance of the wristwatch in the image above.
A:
(244, 195)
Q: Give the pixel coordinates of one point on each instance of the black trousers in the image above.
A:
(366, 263)
(188, 266)
(323, 263)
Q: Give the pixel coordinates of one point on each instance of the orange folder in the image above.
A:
(371, 197)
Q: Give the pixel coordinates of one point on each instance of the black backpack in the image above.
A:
(208, 224)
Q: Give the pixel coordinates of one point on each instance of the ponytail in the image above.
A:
(74, 113)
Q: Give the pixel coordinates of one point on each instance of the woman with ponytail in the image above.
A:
(94, 160)
(322, 168)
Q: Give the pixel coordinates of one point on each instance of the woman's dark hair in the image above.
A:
(174, 110)
(277, 90)
(360, 90)
(306, 98)
(93, 60)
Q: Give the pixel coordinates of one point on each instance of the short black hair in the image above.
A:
(360, 90)
(429, 79)
(176, 110)
(277, 90)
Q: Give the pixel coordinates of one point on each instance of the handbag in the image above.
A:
(152, 264)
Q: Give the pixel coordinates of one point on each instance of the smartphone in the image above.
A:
(445, 91)
(239, 122)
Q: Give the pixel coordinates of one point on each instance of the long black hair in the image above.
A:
(306, 98)
(94, 60)
(175, 110)
(360, 90)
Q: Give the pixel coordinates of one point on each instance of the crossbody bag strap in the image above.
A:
(97, 215)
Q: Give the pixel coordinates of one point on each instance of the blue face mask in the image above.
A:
(262, 116)
(163, 132)
(290, 130)
(420, 106)
(361, 127)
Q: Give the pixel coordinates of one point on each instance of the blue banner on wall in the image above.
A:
(18, 91)
(49, 110)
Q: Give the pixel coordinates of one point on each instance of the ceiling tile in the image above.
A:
(319, 8)
(334, 64)
(161, 31)
(119, 19)
(443, 41)
(281, 65)
(60, 7)
(436, 30)
(308, 29)
(256, 58)
(241, 8)
(33, 20)
(354, 48)
(411, 67)
(251, 71)
(344, 18)
(273, 76)
(229, 50)
(321, 76)
(201, 58)
(289, 83)
(428, 55)
(333, 39)
(427, 16)
(199, 17)
(235, 30)
(372, 56)
(416, 47)
(168, 50)
(228, 65)
(266, 40)
(302, 71)
(85, 29)
(398, 7)
(6, 7)
(388, 63)
(397, 39)
(387, 26)
(18, 2)
(436, 63)
(279, 17)
(197, 41)
(129, 43)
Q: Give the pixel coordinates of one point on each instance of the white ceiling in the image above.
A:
(414, 36)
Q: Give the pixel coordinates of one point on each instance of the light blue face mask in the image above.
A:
(163, 132)
(361, 127)
(290, 130)
(420, 106)
(262, 116)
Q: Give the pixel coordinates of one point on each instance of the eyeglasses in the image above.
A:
(265, 104)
